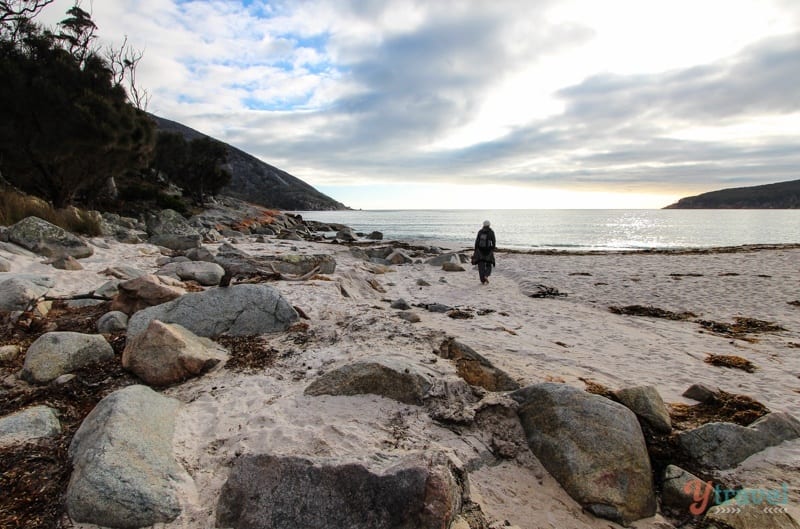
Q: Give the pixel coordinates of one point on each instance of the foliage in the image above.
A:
(142, 194)
(15, 206)
(67, 125)
(196, 166)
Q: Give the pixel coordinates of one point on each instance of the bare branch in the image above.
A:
(123, 62)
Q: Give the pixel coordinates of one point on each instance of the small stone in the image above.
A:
(411, 317)
(452, 267)
(9, 352)
(65, 262)
(400, 304)
(114, 321)
(701, 393)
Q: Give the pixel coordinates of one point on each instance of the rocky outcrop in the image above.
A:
(47, 239)
(169, 229)
(124, 471)
(417, 492)
(167, 353)
(56, 353)
(18, 291)
(474, 368)
(240, 310)
(648, 405)
(593, 446)
(123, 229)
(28, 425)
(721, 445)
(144, 291)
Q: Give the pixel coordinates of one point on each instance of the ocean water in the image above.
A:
(578, 229)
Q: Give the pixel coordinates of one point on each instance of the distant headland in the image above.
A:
(781, 195)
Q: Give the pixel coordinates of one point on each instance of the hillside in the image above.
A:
(781, 195)
(258, 182)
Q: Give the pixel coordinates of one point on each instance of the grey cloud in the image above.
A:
(762, 79)
(615, 131)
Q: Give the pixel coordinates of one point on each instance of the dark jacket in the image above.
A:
(485, 255)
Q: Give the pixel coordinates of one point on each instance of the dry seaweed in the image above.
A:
(740, 326)
(34, 476)
(726, 407)
(597, 389)
(248, 353)
(795, 303)
(732, 361)
(458, 314)
(544, 291)
(652, 312)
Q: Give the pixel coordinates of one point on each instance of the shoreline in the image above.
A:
(574, 340)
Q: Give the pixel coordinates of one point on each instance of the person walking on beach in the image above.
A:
(485, 244)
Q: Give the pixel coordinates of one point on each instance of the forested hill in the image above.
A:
(258, 182)
(782, 195)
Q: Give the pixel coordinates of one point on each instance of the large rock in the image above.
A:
(169, 229)
(440, 260)
(266, 491)
(142, 292)
(239, 310)
(56, 353)
(124, 471)
(168, 353)
(205, 273)
(28, 425)
(47, 239)
(777, 427)
(474, 368)
(593, 446)
(722, 445)
(393, 378)
(648, 405)
(17, 292)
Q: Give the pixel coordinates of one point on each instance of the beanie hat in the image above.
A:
(486, 223)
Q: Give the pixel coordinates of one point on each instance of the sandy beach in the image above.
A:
(572, 338)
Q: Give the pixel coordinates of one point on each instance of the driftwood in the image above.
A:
(544, 291)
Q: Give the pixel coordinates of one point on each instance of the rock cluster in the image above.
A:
(125, 474)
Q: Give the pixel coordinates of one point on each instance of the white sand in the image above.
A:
(534, 340)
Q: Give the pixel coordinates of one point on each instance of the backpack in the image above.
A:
(484, 242)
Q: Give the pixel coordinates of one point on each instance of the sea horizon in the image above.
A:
(577, 229)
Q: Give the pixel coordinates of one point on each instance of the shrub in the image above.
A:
(15, 206)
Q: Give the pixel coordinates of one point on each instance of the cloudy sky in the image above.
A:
(482, 103)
